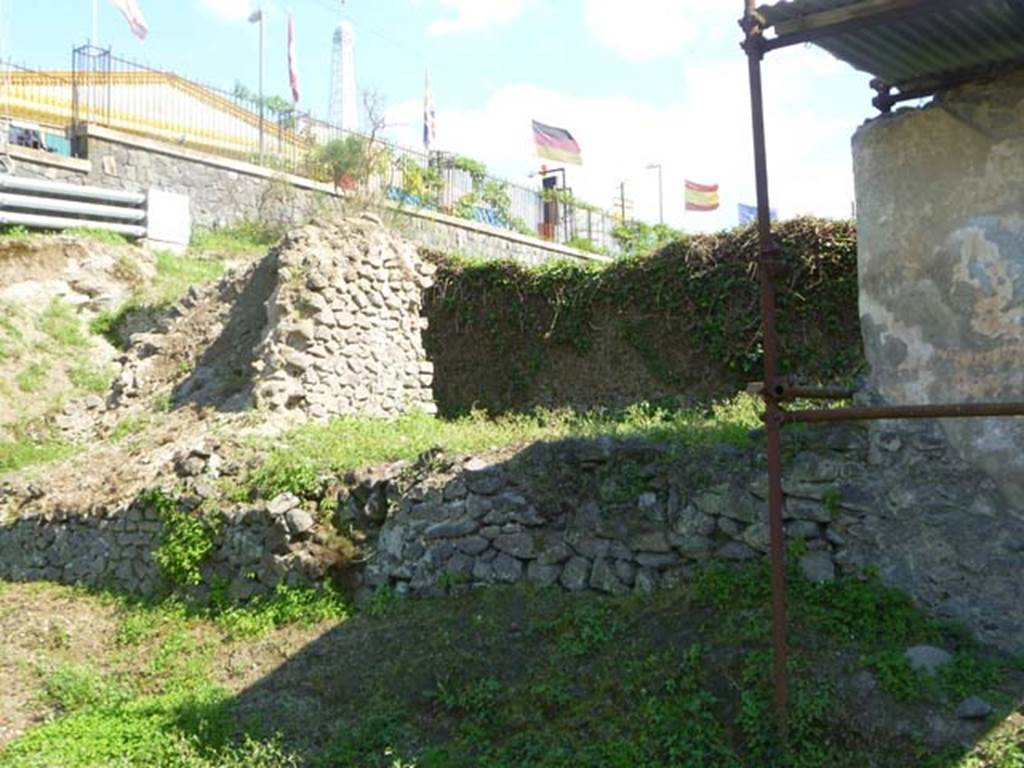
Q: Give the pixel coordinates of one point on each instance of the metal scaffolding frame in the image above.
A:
(776, 390)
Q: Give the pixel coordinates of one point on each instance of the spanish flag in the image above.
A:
(556, 144)
(701, 197)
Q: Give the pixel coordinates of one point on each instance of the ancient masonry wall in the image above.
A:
(604, 515)
(224, 191)
(941, 262)
(344, 325)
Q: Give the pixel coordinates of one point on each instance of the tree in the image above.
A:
(346, 160)
(635, 237)
(353, 161)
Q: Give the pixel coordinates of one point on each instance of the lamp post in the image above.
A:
(257, 18)
(661, 193)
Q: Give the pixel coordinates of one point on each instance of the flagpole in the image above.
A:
(261, 85)
(95, 16)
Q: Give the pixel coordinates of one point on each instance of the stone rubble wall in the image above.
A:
(616, 517)
(327, 323)
(344, 324)
(604, 515)
(255, 547)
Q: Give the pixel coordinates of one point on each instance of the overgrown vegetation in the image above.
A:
(245, 236)
(50, 357)
(689, 314)
(489, 197)
(639, 239)
(186, 542)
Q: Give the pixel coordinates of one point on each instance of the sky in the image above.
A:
(637, 83)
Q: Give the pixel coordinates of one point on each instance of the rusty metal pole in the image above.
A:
(767, 268)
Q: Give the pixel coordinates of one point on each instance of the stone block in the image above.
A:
(575, 574)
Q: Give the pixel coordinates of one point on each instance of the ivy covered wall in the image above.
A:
(681, 324)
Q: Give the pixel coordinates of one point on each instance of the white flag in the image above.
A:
(429, 117)
(133, 15)
(293, 71)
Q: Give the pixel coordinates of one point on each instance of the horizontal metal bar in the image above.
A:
(797, 391)
(785, 391)
(58, 222)
(41, 186)
(872, 413)
(57, 205)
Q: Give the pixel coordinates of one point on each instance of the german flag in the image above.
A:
(701, 197)
(556, 144)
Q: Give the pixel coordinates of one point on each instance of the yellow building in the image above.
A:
(158, 105)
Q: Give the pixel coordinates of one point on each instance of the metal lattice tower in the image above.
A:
(343, 110)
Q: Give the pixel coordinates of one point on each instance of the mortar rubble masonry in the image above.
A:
(343, 333)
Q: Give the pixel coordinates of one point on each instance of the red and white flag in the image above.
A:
(133, 15)
(293, 72)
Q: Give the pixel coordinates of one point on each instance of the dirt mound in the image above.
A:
(50, 289)
(100, 275)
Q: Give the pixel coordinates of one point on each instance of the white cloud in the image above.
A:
(705, 137)
(475, 14)
(641, 30)
(230, 10)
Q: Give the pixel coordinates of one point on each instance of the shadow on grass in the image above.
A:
(504, 677)
(521, 677)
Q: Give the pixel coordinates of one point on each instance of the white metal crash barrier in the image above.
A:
(41, 204)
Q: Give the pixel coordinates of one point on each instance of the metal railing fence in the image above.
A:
(107, 90)
(27, 96)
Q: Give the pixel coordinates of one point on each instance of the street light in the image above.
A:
(257, 18)
(661, 193)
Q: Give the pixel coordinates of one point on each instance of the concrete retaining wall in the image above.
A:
(224, 191)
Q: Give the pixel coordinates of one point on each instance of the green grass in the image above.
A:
(244, 237)
(183, 720)
(296, 460)
(108, 324)
(129, 425)
(60, 322)
(25, 452)
(87, 377)
(32, 377)
(10, 333)
(176, 274)
(14, 232)
(74, 687)
(99, 235)
(287, 605)
(505, 678)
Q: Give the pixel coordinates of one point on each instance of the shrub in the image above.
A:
(187, 540)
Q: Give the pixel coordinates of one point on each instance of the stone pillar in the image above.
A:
(940, 199)
(344, 332)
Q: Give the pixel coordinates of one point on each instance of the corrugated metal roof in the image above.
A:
(921, 49)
